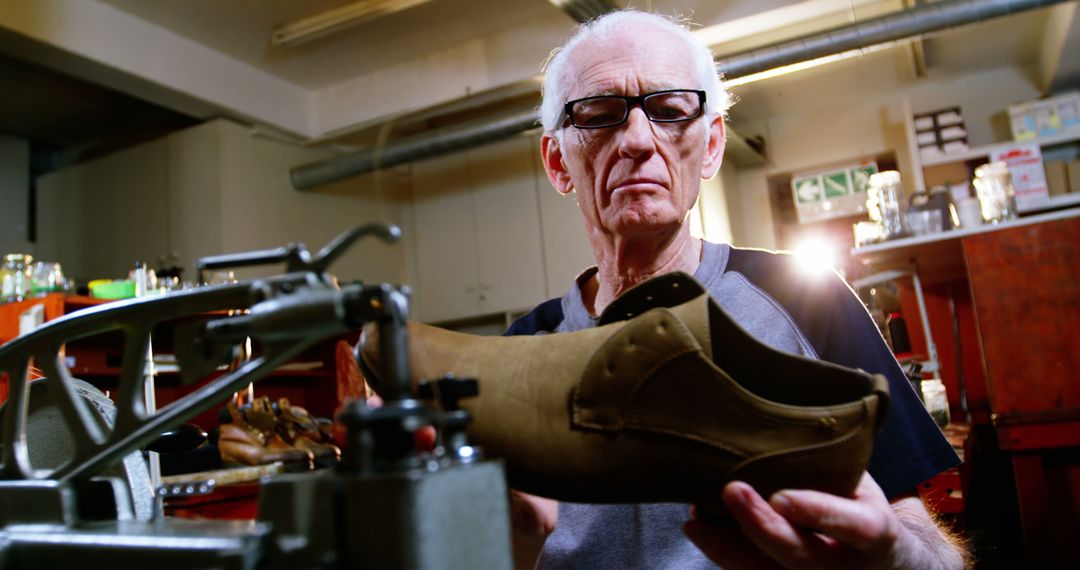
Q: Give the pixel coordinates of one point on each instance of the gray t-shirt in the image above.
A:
(650, 535)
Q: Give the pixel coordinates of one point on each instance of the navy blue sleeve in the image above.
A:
(910, 447)
(545, 317)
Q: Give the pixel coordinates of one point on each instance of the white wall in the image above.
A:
(211, 189)
(260, 209)
(488, 232)
(99, 217)
(14, 195)
(712, 206)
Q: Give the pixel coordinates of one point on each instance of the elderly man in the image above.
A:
(633, 121)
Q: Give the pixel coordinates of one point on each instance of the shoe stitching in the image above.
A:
(663, 315)
(634, 422)
(776, 411)
(854, 435)
(773, 413)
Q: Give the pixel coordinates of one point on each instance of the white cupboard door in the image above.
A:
(445, 239)
(510, 256)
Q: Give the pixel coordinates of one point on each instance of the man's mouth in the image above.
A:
(638, 185)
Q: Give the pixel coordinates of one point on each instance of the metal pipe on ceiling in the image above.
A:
(416, 147)
(894, 27)
(584, 10)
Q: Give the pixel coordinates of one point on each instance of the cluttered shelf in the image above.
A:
(985, 151)
(313, 380)
(939, 256)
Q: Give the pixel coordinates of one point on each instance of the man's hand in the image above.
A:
(532, 515)
(811, 529)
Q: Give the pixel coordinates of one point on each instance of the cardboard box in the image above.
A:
(1073, 171)
(1057, 177)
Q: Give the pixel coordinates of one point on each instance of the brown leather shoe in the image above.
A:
(238, 448)
(664, 406)
(297, 427)
(246, 441)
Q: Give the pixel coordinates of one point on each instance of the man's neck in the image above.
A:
(623, 263)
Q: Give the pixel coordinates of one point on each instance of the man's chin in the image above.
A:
(630, 223)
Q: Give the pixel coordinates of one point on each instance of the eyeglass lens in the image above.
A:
(660, 107)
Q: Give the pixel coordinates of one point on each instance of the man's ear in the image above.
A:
(714, 151)
(554, 165)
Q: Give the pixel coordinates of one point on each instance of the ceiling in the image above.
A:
(87, 72)
(241, 29)
(59, 111)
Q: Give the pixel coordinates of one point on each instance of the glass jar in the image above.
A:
(936, 400)
(48, 277)
(885, 202)
(15, 277)
(994, 189)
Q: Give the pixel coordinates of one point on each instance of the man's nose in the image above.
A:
(637, 134)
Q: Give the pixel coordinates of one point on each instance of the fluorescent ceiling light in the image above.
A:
(777, 72)
(771, 20)
(337, 19)
(803, 65)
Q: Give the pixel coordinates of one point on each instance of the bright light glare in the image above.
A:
(816, 256)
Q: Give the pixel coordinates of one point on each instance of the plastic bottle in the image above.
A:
(901, 343)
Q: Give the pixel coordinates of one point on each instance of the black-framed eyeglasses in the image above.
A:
(669, 106)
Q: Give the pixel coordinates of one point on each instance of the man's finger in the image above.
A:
(757, 518)
(726, 546)
(771, 531)
(860, 525)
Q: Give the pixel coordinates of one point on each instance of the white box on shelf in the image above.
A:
(955, 146)
(1028, 176)
(953, 132)
(1068, 109)
(1022, 121)
(930, 152)
(1047, 120)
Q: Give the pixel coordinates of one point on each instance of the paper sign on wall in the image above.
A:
(832, 193)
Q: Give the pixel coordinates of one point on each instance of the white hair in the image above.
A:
(555, 87)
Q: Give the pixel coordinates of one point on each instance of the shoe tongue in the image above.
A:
(668, 290)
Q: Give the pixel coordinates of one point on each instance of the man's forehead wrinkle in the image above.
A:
(602, 79)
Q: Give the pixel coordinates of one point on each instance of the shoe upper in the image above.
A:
(664, 401)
